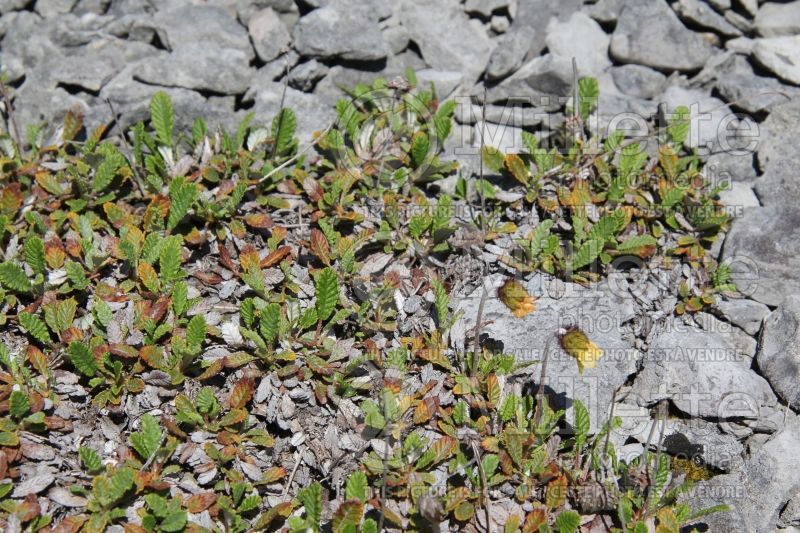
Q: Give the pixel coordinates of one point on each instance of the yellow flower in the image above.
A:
(577, 344)
(516, 298)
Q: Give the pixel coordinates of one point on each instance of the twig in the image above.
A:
(661, 417)
(487, 504)
(300, 453)
(537, 416)
(476, 349)
(482, 192)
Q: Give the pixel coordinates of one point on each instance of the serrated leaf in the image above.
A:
(107, 170)
(162, 117)
(581, 424)
(636, 242)
(196, 332)
(568, 522)
(327, 293)
(8, 438)
(181, 197)
(678, 125)
(607, 227)
(587, 253)
(284, 126)
(90, 459)
(147, 439)
(34, 254)
(206, 400)
(357, 486)
(18, 404)
(419, 147)
(270, 323)
(148, 276)
(169, 259)
(517, 167)
(347, 516)
(34, 326)
(441, 303)
(514, 296)
(180, 298)
(13, 277)
(311, 498)
(588, 93)
(76, 275)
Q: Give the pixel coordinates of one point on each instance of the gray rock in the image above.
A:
(776, 19)
(187, 24)
(97, 7)
(780, 55)
(198, 67)
(699, 13)
(744, 344)
(737, 196)
(777, 134)
(703, 373)
(726, 168)
(720, 5)
(649, 33)
(92, 66)
(306, 75)
(396, 38)
(746, 314)
(54, 8)
(638, 81)
(447, 38)
(757, 491)
(779, 353)
(764, 253)
(485, 7)
(547, 76)
(790, 516)
(601, 312)
(12, 5)
(739, 21)
(504, 137)
(500, 24)
(335, 31)
(268, 33)
(531, 22)
(740, 45)
(780, 184)
(582, 38)
(738, 83)
(604, 11)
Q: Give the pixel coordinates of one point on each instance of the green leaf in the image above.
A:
(270, 323)
(82, 358)
(587, 254)
(247, 310)
(631, 160)
(419, 148)
(588, 93)
(327, 292)
(13, 277)
(369, 526)
(90, 459)
(568, 522)
(76, 275)
(636, 242)
(283, 127)
(174, 522)
(8, 438)
(196, 332)
(147, 439)
(311, 498)
(608, 226)
(169, 259)
(181, 197)
(34, 254)
(162, 117)
(581, 424)
(107, 169)
(34, 326)
(206, 400)
(180, 298)
(678, 125)
(18, 404)
(441, 303)
(357, 486)
(102, 312)
(121, 482)
(443, 120)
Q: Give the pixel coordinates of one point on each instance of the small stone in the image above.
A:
(582, 38)
(638, 80)
(747, 314)
(780, 55)
(699, 13)
(397, 38)
(649, 33)
(306, 75)
(445, 81)
(485, 7)
(54, 8)
(740, 45)
(269, 34)
(750, 6)
(331, 31)
(509, 53)
(604, 11)
(500, 23)
(774, 19)
(738, 21)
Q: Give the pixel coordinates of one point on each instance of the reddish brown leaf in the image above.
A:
(226, 260)
(201, 501)
(259, 220)
(241, 393)
(276, 257)
(320, 247)
(208, 278)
